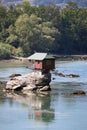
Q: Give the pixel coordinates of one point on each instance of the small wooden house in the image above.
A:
(43, 61)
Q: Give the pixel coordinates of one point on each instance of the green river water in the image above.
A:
(50, 110)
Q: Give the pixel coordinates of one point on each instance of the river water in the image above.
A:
(53, 110)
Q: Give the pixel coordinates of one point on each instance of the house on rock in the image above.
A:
(38, 80)
(42, 61)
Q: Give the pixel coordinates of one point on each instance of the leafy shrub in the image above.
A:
(6, 51)
(18, 52)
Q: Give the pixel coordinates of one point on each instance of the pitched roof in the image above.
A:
(40, 56)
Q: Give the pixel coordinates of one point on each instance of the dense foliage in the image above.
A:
(50, 29)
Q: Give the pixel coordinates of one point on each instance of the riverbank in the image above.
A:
(71, 57)
(15, 60)
(18, 60)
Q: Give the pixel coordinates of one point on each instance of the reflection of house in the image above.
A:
(43, 61)
(39, 105)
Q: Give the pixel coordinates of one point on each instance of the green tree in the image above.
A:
(12, 14)
(3, 32)
(33, 34)
(25, 29)
(67, 28)
(6, 51)
(80, 43)
(12, 39)
(2, 17)
(48, 36)
(7, 18)
(73, 29)
(47, 13)
(26, 7)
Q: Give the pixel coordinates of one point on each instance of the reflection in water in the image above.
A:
(39, 105)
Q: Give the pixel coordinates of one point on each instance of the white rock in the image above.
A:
(34, 80)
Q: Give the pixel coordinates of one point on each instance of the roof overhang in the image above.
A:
(40, 56)
(37, 56)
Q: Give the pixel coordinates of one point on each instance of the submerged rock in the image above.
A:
(77, 93)
(72, 75)
(65, 75)
(33, 81)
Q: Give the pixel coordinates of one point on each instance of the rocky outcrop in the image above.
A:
(65, 75)
(30, 82)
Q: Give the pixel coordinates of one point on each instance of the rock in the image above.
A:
(72, 76)
(59, 74)
(33, 81)
(79, 92)
(45, 88)
(65, 75)
(14, 75)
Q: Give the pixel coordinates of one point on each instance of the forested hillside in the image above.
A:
(25, 29)
(45, 2)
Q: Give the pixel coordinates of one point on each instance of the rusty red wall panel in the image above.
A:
(38, 64)
(48, 64)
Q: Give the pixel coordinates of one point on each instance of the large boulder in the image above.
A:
(33, 81)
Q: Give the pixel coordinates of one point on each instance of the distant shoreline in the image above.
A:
(71, 57)
(19, 60)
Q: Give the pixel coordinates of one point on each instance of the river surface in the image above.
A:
(54, 110)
